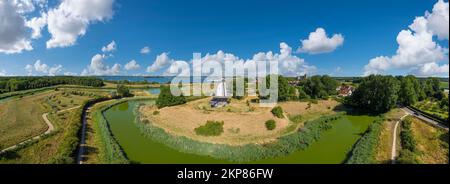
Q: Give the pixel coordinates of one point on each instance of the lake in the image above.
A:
(332, 148)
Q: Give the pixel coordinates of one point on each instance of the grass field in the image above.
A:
(444, 85)
(44, 150)
(432, 143)
(22, 118)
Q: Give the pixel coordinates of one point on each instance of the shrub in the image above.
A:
(271, 124)
(278, 112)
(211, 128)
(407, 157)
(155, 113)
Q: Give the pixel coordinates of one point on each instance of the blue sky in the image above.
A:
(242, 27)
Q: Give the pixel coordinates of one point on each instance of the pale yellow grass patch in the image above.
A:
(430, 143)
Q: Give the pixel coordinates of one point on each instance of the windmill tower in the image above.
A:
(221, 95)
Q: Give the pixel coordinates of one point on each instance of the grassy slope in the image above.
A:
(432, 143)
(22, 118)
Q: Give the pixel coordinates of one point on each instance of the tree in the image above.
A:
(313, 86)
(408, 94)
(166, 98)
(320, 86)
(376, 93)
(284, 89)
(123, 91)
(302, 94)
(329, 84)
(432, 88)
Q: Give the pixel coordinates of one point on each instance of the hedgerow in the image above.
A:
(409, 149)
(110, 151)
(365, 149)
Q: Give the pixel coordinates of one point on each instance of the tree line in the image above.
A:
(11, 84)
(315, 87)
(379, 94)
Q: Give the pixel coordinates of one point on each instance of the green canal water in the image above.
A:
(332, 148)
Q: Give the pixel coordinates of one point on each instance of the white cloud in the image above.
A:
(98, 67)
(132, 65)
(110, 47)
(432, 69)
(55, 70)
(71, 19)
(145, 50)
(318, 42)
(23, 6)
(417, 49)
(40, 67)
(438, 20)
(161, 61)
(37, 24)
(3, 73)
(29, 69)
(70, 74)
(288, 64)
(13, 33)
(43, 68)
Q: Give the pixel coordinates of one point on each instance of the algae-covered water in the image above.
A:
(332, 148)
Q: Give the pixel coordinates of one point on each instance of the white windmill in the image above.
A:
(221, 95)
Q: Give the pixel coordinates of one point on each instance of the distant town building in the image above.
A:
(298, 80)
(345, 90)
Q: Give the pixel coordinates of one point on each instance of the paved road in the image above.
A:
(49, 130)
(428, 120)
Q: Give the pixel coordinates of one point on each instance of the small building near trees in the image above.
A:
(345, 90)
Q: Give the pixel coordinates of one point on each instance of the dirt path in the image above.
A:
(394, 140)
(83, 137)
(50, 129)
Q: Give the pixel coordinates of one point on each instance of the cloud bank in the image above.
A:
(418, 52)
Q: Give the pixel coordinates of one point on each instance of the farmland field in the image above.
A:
(53, 102)
(444, 85)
